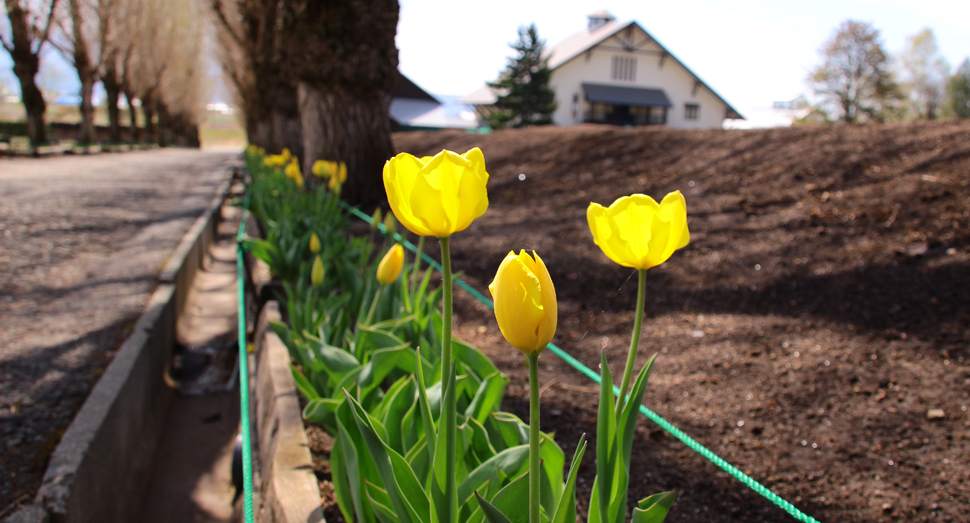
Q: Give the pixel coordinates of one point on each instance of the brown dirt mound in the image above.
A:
(810, 334)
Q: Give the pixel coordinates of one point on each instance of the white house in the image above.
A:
(414, 108)
(616, 73)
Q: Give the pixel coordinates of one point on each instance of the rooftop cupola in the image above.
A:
(599, 19)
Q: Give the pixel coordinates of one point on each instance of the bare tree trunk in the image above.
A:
(133, 134)
(343, 126)
(163, 133)
(25, 66)
(87, 106)
(33, 100)
(284, 118)
(87, 73)
(148, 109)
(112, 88)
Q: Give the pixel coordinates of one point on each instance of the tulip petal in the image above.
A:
(547, 326)
(599, 225)
(518, 302)
(438, 182)
(471, 189)
(400, 174)
(668, 228)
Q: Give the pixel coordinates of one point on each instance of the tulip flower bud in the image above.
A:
(391, 266)
(293, 170)
(375, 218)
(320, 169)
(525, 302)
(390, 224)
(316, 273)
(314, 243)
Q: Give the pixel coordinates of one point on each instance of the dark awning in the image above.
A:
(612, 94)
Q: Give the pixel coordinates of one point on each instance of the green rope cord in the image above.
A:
(653, 416)
(247, 463)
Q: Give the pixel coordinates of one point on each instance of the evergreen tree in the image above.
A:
(958, 90)
(525, 97)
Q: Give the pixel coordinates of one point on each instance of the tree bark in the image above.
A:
(133, 134)
(87, 73)
(148, 110)
(26, 63)
(87, 106)
(112, 89)
(340, 125)
(33, 100)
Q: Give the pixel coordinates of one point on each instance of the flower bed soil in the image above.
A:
(814, 333)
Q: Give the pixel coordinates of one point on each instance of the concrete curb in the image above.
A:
(288, 487)
(100, 466)
(189, 256)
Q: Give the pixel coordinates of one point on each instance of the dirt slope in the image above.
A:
(808, 334)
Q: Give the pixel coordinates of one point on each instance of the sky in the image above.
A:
(751, 52)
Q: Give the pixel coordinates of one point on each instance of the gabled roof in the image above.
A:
(406, 89)
(582, 41)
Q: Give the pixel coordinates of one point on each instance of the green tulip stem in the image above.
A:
(534, 438)
(417, 265)
(373, 305)
(634, 342)
(447, 377)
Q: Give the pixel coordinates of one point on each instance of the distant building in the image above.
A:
(781, 114)
(413, 108)
(616, 73)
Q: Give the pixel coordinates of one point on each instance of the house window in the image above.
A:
(624, 69)
(692, 111)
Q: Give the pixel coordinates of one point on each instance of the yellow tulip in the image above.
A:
(338, 176)
(286, 154)
(314, 243)
(293, 170)
(391, 266)
(375, 219)
(525, 302)
(637, 232)
(437, 196)
(316, 273)
(390, 224)
(260, 150)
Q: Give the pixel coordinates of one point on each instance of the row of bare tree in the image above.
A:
(314, 76)
(856, 80)
(149, 51)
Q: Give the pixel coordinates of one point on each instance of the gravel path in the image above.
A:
(81, 241)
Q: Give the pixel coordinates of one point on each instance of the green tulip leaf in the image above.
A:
(427, 418)
(513, 500)
(303, 385)
(381, 503)
(553, 462)
(605, 448)
(566, 509)
(511, 461)
(654, 509)
(492, 514)
(322, 411)
(338, 473)
(488, 397)
(407, 497)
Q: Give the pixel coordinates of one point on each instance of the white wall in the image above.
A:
(595, 67)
